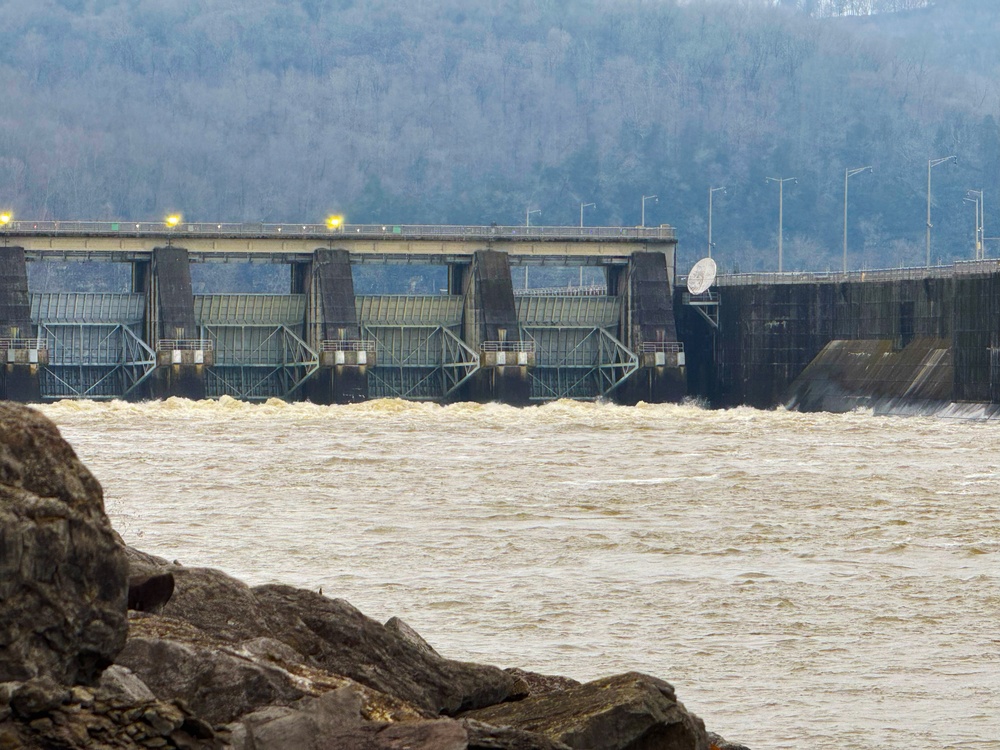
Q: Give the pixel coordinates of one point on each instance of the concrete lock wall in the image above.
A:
(908, 344)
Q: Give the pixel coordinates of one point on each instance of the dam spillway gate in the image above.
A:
(475, 338)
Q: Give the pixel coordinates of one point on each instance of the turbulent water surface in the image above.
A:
(805, 581)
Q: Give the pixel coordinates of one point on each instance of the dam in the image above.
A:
(475, 338)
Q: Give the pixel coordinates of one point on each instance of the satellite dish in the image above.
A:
(702, 276)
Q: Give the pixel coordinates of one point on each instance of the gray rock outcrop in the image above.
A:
(63, 576)
(40, 714)
(627, 712)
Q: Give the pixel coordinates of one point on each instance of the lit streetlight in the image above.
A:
(173, 221)
(848, 173)
(711, 191)
(781, 212)
(334, 222)
(5, 218)
(583, 206)
(645, 198)
(527, 217)
(931, 163)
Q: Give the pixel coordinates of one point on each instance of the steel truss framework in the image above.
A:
(93, 360)
(577, 363)
(418, 362)
(255, 363)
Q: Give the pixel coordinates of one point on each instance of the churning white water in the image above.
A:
(805, 581)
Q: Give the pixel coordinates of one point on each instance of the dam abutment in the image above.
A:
(909, 341)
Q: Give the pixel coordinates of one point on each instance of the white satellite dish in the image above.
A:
(702, 276)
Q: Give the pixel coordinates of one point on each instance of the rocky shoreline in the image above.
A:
(104, 646)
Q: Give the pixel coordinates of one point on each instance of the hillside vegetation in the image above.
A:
(449, 111)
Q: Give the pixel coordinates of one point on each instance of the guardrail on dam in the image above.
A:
(321, 341)
(906, 340)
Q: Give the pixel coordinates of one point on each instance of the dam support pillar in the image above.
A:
(333, 330)
(22, 351)
(648, 328)
(491, 327)
(181, 354)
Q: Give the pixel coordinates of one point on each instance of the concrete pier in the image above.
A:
(333, 330)
(491, 326)
(19, 349)
(648, 328)
(180, 371)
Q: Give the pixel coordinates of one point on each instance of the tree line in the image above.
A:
(451, 112)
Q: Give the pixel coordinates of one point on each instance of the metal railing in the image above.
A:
(167, 345)
(508, 346)
(347, 345)
(911, 273)
(700, 299)
(322, 231)
(667, 347)
(595, 290)
(21, 343)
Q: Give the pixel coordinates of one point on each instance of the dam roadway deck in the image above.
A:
(365, 242)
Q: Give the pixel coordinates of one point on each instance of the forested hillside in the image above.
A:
(459, 112)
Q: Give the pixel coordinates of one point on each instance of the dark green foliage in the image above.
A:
(449, 111)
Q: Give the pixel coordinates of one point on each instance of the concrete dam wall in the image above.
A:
(912, 341)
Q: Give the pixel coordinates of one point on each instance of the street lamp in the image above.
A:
(976, 196)
(333, 223)
(173, 221)
(6, 217)
(711, 191)
(847, 174)
(781, 211)
(528, 213)
(644, 199)
(583, 206)
(931, 163)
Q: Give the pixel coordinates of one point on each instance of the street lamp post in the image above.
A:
(644, 199)
(711, 191)
(931, 163)
(528, 213)
(583, 206)
(847, 174)
(976, 196)
(781, 212)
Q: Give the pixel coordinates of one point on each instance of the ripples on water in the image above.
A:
(821, 581)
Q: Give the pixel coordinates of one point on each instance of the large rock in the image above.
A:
(328, 634)
(626, 712)
(342, 718)
(221, 680)
(218, 684)
(63, 575)
(344, 641)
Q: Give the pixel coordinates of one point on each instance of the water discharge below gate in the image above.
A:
(804, 580)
